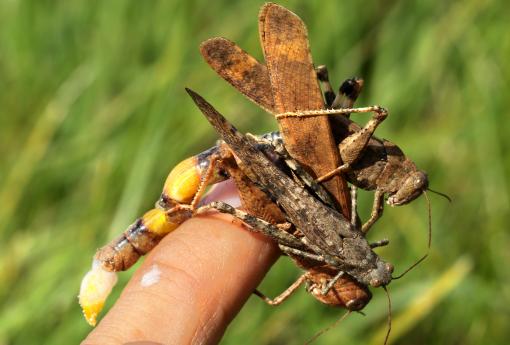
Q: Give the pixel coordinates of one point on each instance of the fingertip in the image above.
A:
(192, 284)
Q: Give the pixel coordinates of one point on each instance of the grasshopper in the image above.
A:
(328, 237)
(368, 162)
(326, 273)
(332, 250)
(180, 198)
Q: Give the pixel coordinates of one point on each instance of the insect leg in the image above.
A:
(342, 168)
(185, 180)
(332, 282)
(255, 223)
(347, 93)
(380, 243)
(323, 76)
(182, 191)
(351, 148)
(205, 180)
(303, 254)
(377, 211)
(354, 207)
(285, 294)
(319, 258)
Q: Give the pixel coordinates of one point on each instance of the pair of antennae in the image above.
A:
(344, 316)
(441, 194)
(430, 231)
(428, 244)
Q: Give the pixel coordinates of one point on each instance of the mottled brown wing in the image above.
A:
(284, 40)
(239, 69)
(251, 78)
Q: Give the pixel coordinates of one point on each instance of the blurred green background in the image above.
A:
(93, 116)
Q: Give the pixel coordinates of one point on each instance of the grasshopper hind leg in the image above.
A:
(257, 224)
(288, 243)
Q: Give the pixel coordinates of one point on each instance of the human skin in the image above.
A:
(208, 268)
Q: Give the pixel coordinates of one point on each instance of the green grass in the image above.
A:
(93, 115)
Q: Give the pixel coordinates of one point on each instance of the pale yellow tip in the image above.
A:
(91, 312)
(95, 288)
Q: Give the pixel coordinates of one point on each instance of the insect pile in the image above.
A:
(292, 183)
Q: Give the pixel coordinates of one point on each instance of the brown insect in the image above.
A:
(327, 284)
(284, 40)
(369, 162)
(331, 238)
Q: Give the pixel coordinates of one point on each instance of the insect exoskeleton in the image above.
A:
(345, 293)
(122, 253)
(172, 209)
(183, 182)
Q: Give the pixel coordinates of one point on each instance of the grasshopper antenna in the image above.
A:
(441, 194)
(324, 330)
(429, 241)
(389, 315)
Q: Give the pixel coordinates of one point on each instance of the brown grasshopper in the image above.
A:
(368, 162)
(181, 195)
(328, 237)
(179, 202)
(327, 283)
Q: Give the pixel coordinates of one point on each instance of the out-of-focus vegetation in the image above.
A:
(93, 115)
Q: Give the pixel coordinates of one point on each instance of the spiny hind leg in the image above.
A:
(205, 180)
(287, 243)
(256, 224)
(352, 147)
(285, 294)
(183, 189)
(321, 258)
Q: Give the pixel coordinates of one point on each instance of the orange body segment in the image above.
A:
(157, 222)
(183, 181)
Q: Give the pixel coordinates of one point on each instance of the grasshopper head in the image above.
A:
(381, 275)
(412, 188)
